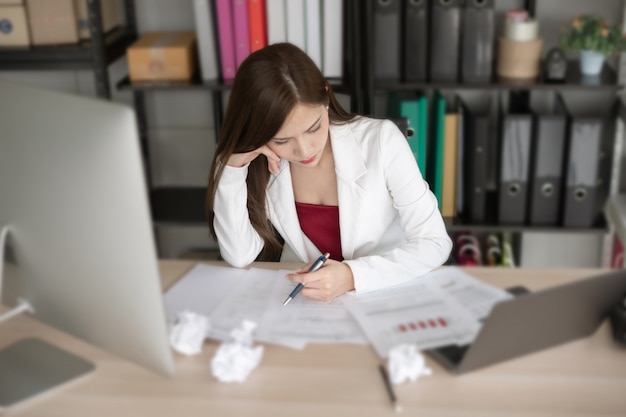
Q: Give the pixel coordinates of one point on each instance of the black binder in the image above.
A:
(547, 164)
(476, 158)
(478, 41)
(445, 40)
(588, 168)
(515, 140)
(415, 40)
(387, 39)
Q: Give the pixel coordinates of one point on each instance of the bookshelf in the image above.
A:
(95, 54)
(184, 205)
(600, 91)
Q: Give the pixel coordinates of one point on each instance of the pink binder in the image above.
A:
(226, 38)
(241, 30)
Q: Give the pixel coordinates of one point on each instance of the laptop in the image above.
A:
(534, 321)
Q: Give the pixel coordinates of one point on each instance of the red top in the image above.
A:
(321, 225)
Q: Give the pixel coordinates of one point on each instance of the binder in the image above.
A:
(207, 51)
(434, 164)
(476, 157)
(257, 24)
(415, 34)
(450, 149)
(313, 28)
(276, 21)
(460, 159)
(413, 107)
(332, 38)
(241, 30)
(445, 40)
(478, 41)
(515, 140)
(547, 164)
(296, 22)
(588, 168)
(387, 39)
(226, 37)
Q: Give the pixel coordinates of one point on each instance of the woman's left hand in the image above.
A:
(330, 281)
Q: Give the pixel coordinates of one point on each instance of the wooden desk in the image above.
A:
(582, 378)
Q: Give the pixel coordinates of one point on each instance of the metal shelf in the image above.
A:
(607, 80)
(458, 225)
(94, 54)
(182, 205)
(65, 57)
(195, 83)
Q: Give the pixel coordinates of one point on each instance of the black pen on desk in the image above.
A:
(389, 386)
(316, 265)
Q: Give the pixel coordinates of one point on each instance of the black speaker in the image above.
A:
(618, 321)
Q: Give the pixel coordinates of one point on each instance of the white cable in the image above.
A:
(4, 232)
(22, 305)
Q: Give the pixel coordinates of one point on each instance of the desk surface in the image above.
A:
(582, 378)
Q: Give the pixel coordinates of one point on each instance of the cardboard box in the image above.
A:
(52, 22)
(110, 11)
(13, 26)
(162, 56)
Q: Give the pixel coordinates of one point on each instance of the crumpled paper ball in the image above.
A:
(406, 363)
(187, 332)
(234, 360)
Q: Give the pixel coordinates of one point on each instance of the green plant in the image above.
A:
(592, 33)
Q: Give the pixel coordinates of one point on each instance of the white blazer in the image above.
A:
(391, 229)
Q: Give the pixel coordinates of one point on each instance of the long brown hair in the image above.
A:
(267, 86)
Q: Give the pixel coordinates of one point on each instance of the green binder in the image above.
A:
(413, 107)
(434, 174)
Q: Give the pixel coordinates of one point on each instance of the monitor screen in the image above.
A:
(81, 249)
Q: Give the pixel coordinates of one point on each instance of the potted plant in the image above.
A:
(595, 39)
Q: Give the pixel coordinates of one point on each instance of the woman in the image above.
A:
(295, 175)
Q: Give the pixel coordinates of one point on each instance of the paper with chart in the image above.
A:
(417, 312)
(441, 308)
(444, 307)
(476, 296)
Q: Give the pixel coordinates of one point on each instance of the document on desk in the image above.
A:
(442, 308)
(311, 320)
(477, 297)
(201, 289)
(227, 296)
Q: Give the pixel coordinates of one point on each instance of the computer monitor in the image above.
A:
(81, 248)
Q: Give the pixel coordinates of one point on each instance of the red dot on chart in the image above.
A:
(422, 324)
(402, 328)
(442, 321)
(412, 326)
(432, 323)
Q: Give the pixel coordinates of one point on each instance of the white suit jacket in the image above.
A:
(391, 229)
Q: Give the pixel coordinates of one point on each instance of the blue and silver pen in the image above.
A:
(316, 265)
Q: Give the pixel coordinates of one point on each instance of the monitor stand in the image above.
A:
(31, 366)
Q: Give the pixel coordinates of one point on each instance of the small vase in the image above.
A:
(591, 62)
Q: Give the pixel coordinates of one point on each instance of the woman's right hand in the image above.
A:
(239, 160)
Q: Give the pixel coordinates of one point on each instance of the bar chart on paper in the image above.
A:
(441, 308)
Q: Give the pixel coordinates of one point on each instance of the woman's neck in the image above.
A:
(316, 185)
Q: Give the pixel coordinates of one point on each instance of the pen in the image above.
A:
(392, 395)
(316, 265)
